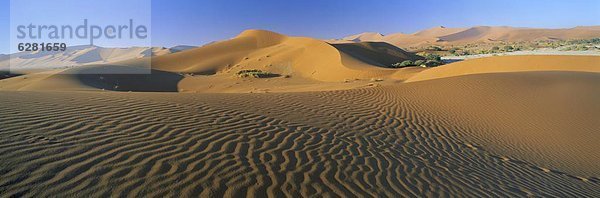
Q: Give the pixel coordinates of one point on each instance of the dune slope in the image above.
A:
(512, 64)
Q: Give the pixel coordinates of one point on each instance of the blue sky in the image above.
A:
(196, 22)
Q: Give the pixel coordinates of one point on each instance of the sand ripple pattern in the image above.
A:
(358, 143)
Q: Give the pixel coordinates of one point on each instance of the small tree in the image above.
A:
(405, 63)
(433, 63)
(433, 57)
(419, 62)
(434, 48)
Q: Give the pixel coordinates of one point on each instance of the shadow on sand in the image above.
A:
(124, 78)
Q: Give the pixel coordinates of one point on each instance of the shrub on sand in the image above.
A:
(419, 62)
(433, 63)
(405, 63)
(255, 73)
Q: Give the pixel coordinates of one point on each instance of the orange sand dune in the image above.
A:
(439, 31)
(269, 51)
(370, 36)
(512, 64)
(510, 34)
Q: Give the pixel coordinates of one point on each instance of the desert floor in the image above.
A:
(528, 133)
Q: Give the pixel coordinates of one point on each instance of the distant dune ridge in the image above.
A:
(80, 55)
(341, 124)
(479, 34)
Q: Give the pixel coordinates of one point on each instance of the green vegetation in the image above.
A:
(433, 63)
(509, 48)
(405, 63)
(434, 48)
(255, 73)
(431, 60)
(433, 57)
(420, 62)
(452, 51)
(504, 47)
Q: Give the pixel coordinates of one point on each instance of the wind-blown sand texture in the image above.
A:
(432, 138)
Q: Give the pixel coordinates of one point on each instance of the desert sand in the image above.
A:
(335, 123)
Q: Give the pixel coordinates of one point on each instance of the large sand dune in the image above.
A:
(432, 138)
(294, 56)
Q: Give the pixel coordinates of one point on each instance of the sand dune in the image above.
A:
(510, 34)
(370, 36)
(375, 53)
(436, 138)
(303, 64)
(80, 55)
(439, 31)
(512, 64)
(479, 34)
(294, 56)
(397, 39)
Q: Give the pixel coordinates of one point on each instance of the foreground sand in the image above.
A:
(474, 135)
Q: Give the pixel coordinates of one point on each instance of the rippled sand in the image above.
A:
(432, 138)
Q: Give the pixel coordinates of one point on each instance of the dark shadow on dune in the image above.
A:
(156, 81)
(448, 61)
(209, 72)
(7, 75)
(376, 53)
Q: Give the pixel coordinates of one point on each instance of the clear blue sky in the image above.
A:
(196, 22)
